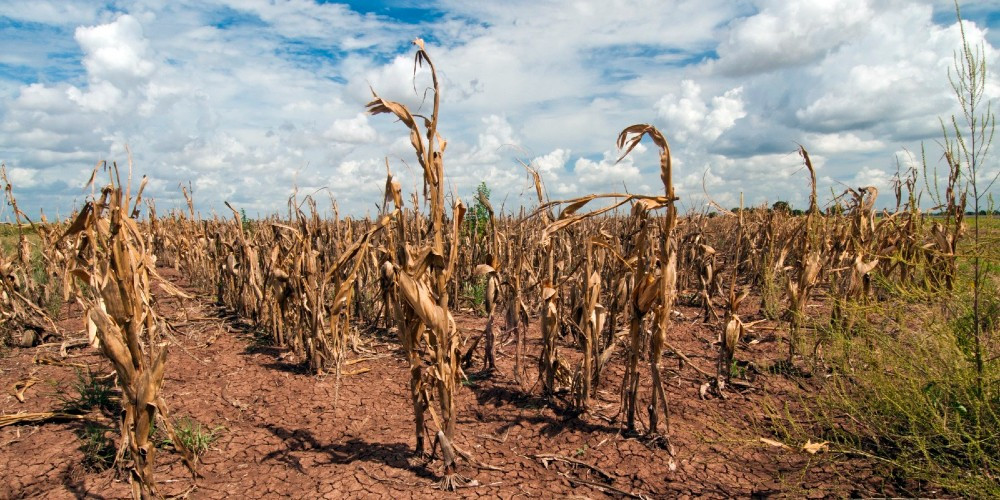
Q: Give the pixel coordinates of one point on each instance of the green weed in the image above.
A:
(474, 292)
(194, 436)
(92, 393)
(97, 446)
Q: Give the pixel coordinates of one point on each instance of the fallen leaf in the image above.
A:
(22, 386)
(813, 448)
(777, 444)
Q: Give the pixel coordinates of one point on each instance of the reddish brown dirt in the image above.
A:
(284, 432)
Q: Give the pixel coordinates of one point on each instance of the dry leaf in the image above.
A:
(814, 448)
(22, 386)
(776, 444)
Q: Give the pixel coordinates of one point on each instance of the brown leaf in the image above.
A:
(814, 448)
(23, 385)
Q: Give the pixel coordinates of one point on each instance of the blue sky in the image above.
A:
(248, 101)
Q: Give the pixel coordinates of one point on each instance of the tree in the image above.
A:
(479, 210)
(478, 217)
(781, 206)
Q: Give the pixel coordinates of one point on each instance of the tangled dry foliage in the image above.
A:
(111, 258)
(24, 289)
(599, 281)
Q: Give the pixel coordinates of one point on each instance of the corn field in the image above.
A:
(586, 306)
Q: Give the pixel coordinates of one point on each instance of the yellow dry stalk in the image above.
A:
(548, 361)
(552, 371)
(806, 270)
(591, 324)
(113, 260)
(516, 318)
(733, 328)
(656, 280)
(21, 295)
(421, 276)
(493, 286)
(489, 251)
(296, 280)
(492, 283)
(707, 280)
(655, 269)
(732, 332)
(244, 266)
(807, 241)
(899, 244)
(664, 309)
(343, 274)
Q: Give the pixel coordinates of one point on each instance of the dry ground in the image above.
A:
(284, 432)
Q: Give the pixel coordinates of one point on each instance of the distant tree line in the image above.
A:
(784, 206)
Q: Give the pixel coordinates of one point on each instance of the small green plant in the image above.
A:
(581, 451)
(97, 446)
(245, 221)
(92, 393)
(737, 370)
(474, 291)
(965, 325)
(194, 436)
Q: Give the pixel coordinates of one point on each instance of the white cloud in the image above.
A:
(551, 163)
(840, 143)
(690, 117)
(600, 174)
(871, 176)
(248, 99)
(22, 177)
(351, 130)
(49, 12)
(115, 51)
(788, 33)
(101, 96)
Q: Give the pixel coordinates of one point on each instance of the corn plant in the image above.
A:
(112, 258)
(421, 277)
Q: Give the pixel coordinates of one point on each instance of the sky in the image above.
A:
(251, 101)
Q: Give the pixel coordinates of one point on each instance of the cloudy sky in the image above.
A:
(246, 100)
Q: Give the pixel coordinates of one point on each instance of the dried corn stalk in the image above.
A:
(21, 296)
(112, 258)
(421, 276)
(665, 291)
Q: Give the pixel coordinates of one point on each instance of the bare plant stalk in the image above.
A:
(423, 284)
(113, 260)
(966, 148)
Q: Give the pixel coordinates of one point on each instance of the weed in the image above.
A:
(964, 325)
(97, 446)
(737, 370)
(910, 398)
(194, 436)
(474, 291)
(245, 222)
(92, 393)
